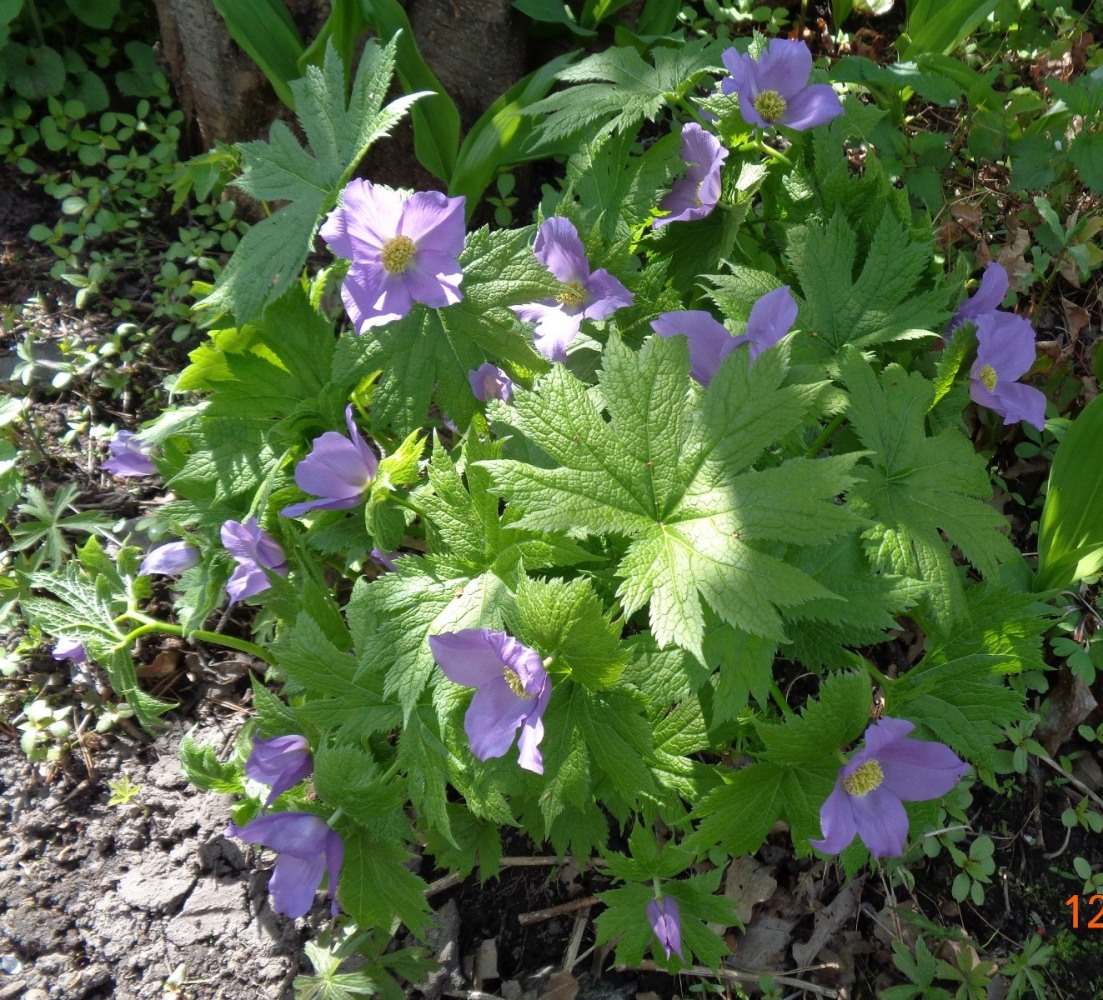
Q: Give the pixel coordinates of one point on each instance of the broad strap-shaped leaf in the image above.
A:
(917, 487)
(339, 131)
(669, 469)
(620, 89)
(1070, 536)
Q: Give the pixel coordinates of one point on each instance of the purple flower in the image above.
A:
(582, 294)
(1005, 352)
(338, 470)
(69, 649)
(402, 251)
(772, 317)
(871, 787)
(490, 382)
(666, 921)
(384, 559)
(696, 194)
(512, 689)
(306, 847)
(170, 559)
(993, 287)
(775, 89)
(281, 763)
(254, 550)
(129, 456)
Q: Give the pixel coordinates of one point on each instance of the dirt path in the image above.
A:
(101, 902)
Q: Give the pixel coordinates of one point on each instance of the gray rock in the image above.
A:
(214, 909)
(157, 886)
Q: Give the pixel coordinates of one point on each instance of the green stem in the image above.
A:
(876, 674)
(779, 699)
(775, 154)
(197, 635)
(826, 435)
(693, 113)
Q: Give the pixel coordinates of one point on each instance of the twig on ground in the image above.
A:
(1075, 782)
(581, 919)
(539, 916)
(741, 976)
(541, 861)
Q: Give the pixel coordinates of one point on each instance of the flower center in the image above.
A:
(571, 293)
(989, 377)
(514, 681)
(397, 253)
(865, 779)
(770, 105)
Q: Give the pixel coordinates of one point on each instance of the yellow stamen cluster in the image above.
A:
(989, 377)
(571, 293)
(397, 253)
(865, 779)
(770, 105)
(515, 684)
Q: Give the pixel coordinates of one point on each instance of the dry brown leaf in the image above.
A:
(1076, 317)
(842, 909)
(1070, 702)
(166, 663)
(561, 986)
(969, 217)
(748, 882)
(765, 942)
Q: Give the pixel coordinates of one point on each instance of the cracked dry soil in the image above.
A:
(101, 902)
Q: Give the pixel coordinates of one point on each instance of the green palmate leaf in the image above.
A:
(425, 597)
(306, 657)
(822, 630)
(614, 190)
(594, 739)
(85, 610)
(824, 727)
(464, 520)
(745, 668)
(668, 469)
(203, 769)
(881, 303)
(740, 813)
(270, 256)
(477, 843)
(376, 884)
(998, 623)
(429, 353)
(427, 762)
(798, 769)
(964, 702)
(625, 920)
(348, 779)
(1070, 535)
(916, 488)
(566, 621)
(625, 90)
(274, 717)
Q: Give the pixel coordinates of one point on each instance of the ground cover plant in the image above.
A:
(727, 507)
